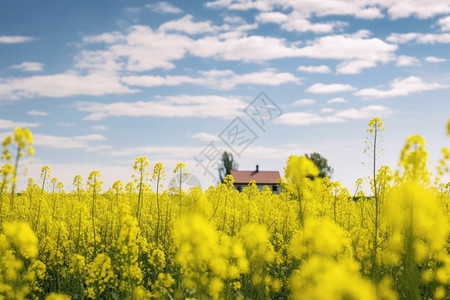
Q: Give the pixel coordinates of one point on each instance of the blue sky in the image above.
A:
(100, 83)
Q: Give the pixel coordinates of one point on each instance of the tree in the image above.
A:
(227, 165)
(322, 164)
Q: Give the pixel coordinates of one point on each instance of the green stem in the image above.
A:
(14, 179)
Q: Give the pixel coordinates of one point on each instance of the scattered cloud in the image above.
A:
(337, 100)
(357, 51)
(152, 81)
(15, 39)
(90, 137)
(367, 112)
(107, 37)
(133, 10)
(407, 61)
(143, 49)
(327, 110)
(239, 46)
(8, 124)
(98, 61)
(330, 117)
(63, 142)
(186, 25)
(323, 69)
(400, 87)
(206, 137)
(233, 20)
(37, 113)
(354, 66)
(358, 9)
(208, 106)
(302, 102)
(306, 118)
(305, 8)
(99, 127)
(61, 85)
(29, 66)
(66, 124)
(215, 79)
(164, 8)
(296, 21)
(433, 59)
(419, 8)
(146, 49)
(322, 88)
(444, 23)
(419, 38)
(159, 151)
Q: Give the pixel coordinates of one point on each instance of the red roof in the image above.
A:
(261, 177)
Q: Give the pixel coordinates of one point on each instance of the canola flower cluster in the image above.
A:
(312, 241)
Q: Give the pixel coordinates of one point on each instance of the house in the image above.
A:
(262, 178)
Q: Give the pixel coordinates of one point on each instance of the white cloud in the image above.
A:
(337, 100)
(99, 61)
(215, 79)
(306, 118)
(239, 46)
(15, 39)
(296, 21)
(227, 79)
(357, 51)
(107, 37)
(159, 151)
(90, 137)
(37, 113)
(444, 23)
(327, 110)
(354, 66)
(239, 5)
(359, 8)
(407, 61)
(208, 106)
(61, 85)
(206, 137)
(433, 59)
(272, 17)
(400, 87)
(29, 66)
(321, 88)
(307, 8)
(164, 8)
(66, 124)
(133, 10)
(63, 142)
(152, 81)
(421, 9)
(419, 38)
(8, 124)
(146, 49)
(302, 102)
(58, 142)
(99, 127)
(367, 112)
(233, 20)
(323, 69)
(310, 118)
(186, 25)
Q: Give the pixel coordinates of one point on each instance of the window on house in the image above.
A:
(274, 188)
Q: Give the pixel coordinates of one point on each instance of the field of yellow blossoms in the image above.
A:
(313, 241)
